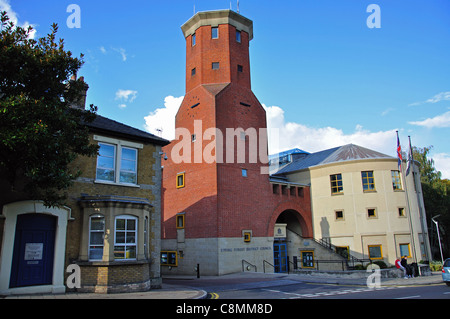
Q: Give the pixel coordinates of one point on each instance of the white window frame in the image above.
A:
(118, 146)
(125, 245)
(95, 231)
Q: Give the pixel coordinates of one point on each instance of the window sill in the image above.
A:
(96, 263)
(116, 184)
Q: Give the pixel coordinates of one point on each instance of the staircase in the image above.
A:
(326, 255)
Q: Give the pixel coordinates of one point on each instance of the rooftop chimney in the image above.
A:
(80, 102)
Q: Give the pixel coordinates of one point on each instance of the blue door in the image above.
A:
(34, 250)
(280, 257)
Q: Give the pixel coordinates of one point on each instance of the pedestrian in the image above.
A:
(404, 263)
(399, 266)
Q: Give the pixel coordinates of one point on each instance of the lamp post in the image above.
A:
(439, 237)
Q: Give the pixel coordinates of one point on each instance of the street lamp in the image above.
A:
(439, 237)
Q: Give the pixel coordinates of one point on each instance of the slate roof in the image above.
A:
(105, 125)
(344, 153)
(288, 152)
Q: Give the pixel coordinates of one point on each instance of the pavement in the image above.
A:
(190, 287)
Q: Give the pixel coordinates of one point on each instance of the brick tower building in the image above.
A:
(220, 206)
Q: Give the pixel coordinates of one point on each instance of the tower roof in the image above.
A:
(214, 18)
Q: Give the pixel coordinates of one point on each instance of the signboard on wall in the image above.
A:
(33, 251)
(280, 231)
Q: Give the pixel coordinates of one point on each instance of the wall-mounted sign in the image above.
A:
(33, 251)
(280, 231)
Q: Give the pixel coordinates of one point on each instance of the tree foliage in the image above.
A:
(436, 195)
(40, 135)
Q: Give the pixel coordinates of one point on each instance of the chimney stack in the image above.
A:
(80, 102)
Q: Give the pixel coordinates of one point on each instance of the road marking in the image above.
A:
(213, 295)
(409, 297)
(340, 292)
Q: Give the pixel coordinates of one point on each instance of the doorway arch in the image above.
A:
(11, 213)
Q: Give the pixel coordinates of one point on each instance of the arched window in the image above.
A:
(96, 236)
(125, 237)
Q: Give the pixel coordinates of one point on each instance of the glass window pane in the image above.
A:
(105, 162)
(129, 178)
(105, 174)
(131, 238)
(96, 238)
(96, 253)
(120, 224)
(97, 223)
(106, 150)
(120, 237)
(119, 252)
(214, 33)
(131, 224)
(129, 154)
(375, 252)
(130, 252)
(129, 166)
(404, 250)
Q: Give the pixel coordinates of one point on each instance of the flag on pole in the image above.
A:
(399, 153)
(410, 157)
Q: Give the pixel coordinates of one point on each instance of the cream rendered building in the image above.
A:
(360, 202)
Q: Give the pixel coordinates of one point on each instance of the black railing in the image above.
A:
(249, 266)
(348, 258)
(264, 265)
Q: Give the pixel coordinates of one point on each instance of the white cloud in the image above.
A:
(126, 96)
(290, 134)
(442, 120)
(103, 50)
(14, 17)
(442, 164)
(313, 139)
(122, 52)
(164, 118)
(443, 96)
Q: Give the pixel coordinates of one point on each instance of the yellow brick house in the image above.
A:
(108, 231)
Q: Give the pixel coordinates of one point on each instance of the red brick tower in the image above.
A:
(219, 208)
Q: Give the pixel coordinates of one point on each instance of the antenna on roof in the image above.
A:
(159, 130)
(237, 6)
(194, 8)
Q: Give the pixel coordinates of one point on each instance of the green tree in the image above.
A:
(40, 134)
(436, 198)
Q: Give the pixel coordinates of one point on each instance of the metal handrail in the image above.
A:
(264, 265)
(245, 261)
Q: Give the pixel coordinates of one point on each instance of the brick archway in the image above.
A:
(301, 214)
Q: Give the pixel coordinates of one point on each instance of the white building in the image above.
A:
(360, 201)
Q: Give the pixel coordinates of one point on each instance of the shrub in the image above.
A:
(381, 264)
(436, 265)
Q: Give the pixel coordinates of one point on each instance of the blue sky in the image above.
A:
(325, 78)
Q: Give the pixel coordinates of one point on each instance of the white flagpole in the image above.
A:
(407, 203)
(419, 203)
